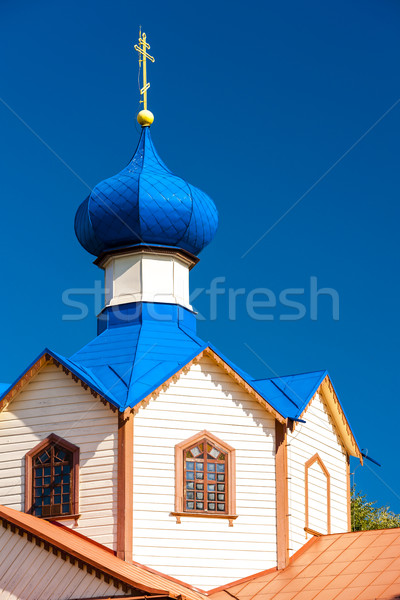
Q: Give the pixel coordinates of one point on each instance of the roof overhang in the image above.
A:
(45, 358)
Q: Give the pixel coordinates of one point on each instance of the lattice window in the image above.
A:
(205, 476)
(51, 473)
(205, 480)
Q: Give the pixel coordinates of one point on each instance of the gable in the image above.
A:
(204, 551)
(47, 357)
(318, 415)
(234, 375)
(204, 383)
(53, 403)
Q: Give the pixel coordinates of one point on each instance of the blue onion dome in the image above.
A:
(145, 203)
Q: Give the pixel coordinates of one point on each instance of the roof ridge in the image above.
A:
(133, 366)
(292, 375)
(285, 394)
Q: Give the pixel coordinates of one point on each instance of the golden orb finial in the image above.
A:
(145, 118)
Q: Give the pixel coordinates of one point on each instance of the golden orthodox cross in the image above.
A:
(142, 48)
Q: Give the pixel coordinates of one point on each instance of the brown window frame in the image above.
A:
(29, 496)
(317, 459)
(180, 449)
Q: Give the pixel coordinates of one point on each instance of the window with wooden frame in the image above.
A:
(205, 477)
(52, 479)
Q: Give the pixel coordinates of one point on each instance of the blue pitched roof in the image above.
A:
(133, 359)
(135, 353)
(133, 356)
(291, 393)
(126, 362)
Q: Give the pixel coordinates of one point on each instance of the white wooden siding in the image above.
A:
(53, 403)
(29, 572)
(204, 552)
(317, 435)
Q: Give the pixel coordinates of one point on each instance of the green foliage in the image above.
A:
(365, 515)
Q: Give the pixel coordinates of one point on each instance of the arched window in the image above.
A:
(205, 477)
(52, 478)
(317, 496)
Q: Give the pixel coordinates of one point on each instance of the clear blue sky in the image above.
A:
(254, 102)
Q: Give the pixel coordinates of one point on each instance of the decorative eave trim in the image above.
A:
(74, 559)
(84, 384)
(246, 386)
(23, 381)
(46, 359)
(227, 368)
(328, 393)
(165, 385)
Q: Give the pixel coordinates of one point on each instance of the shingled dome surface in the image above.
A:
(145, 203)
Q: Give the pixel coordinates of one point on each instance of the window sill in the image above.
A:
(61, 518)
(178, 516)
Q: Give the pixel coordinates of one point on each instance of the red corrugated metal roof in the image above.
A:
(99, 557)
(346, 566)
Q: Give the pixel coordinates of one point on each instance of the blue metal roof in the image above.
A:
(145, 203)
(135, 353)
(291, 393)
(133, 356)
(142, 345)
(4, 387)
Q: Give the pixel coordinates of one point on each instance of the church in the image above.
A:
(147, 464)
